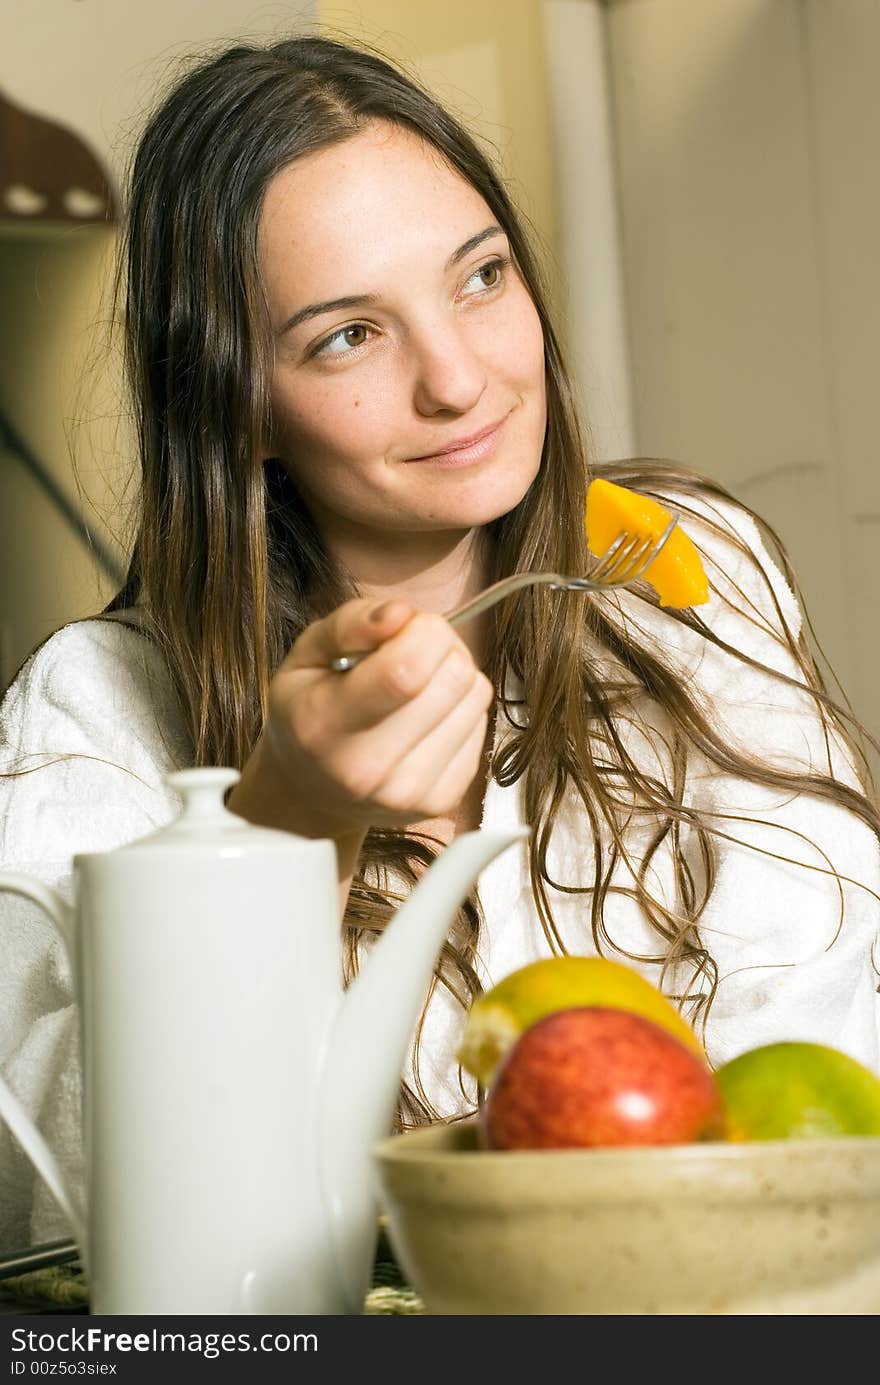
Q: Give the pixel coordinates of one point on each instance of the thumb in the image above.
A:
(358, 627)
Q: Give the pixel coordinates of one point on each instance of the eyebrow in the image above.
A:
(363, 300)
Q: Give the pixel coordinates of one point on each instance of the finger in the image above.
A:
(357, 626)
(405, 666)
(399, 731)
(356, 738)
(446, 789)
(421, 761)
(360, 749)
(458, 775)
(389, 678)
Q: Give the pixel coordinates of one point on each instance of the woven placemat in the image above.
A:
(65, 1287)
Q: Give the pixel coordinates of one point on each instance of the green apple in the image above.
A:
(798, 1091)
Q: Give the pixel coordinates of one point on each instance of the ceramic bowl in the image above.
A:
(771, 1227)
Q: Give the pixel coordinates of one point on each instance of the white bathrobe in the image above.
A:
(93, 709)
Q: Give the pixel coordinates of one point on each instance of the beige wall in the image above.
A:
(50, 300)
(745, 136)
(96, 64)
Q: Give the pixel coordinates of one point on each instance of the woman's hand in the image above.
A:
(397, 739)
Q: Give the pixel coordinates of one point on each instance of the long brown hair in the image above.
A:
(228, 567)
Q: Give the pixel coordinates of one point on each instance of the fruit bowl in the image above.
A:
(766, 1227)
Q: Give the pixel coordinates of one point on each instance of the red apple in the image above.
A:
(597, 1076)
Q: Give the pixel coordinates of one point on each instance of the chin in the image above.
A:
(502, 500)
(474, 516)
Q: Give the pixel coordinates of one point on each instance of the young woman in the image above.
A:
(353, 414)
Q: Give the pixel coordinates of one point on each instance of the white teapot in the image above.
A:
(233, 1091)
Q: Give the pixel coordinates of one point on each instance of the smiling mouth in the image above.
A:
(471, 449)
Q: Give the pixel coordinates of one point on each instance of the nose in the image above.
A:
(450, 376)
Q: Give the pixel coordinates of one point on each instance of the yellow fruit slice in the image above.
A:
(496, 1020)
(798, 1091)
(676, 574)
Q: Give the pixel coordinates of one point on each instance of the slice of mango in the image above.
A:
(676, 574)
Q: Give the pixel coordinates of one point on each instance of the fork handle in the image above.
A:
(480, 603)
(504, 587)
(625, 561)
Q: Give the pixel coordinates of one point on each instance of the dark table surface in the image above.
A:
(51, 1279)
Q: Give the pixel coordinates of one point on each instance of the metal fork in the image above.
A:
(626, 561)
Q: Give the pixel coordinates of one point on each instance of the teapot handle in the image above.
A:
(12, 1112)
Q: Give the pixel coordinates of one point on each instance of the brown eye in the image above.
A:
(489, 275)
(344, 340)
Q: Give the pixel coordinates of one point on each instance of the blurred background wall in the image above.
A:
(702, 183)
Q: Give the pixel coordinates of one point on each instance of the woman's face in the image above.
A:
(401, 330)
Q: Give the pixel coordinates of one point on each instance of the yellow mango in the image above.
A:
(677, 573)
(498, 1017)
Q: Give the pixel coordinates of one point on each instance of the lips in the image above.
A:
(463, 446)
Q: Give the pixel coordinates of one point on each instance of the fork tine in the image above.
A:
(617, 559)
(639, 556)
(607, 558)
(631, 555)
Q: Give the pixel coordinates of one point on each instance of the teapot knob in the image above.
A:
(202, 791)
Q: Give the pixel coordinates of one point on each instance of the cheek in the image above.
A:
(336, 422)
(533, 339)
(520, 346)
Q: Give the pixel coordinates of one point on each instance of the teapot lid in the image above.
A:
(206, 821)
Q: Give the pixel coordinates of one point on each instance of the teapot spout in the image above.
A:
(369, 1042)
